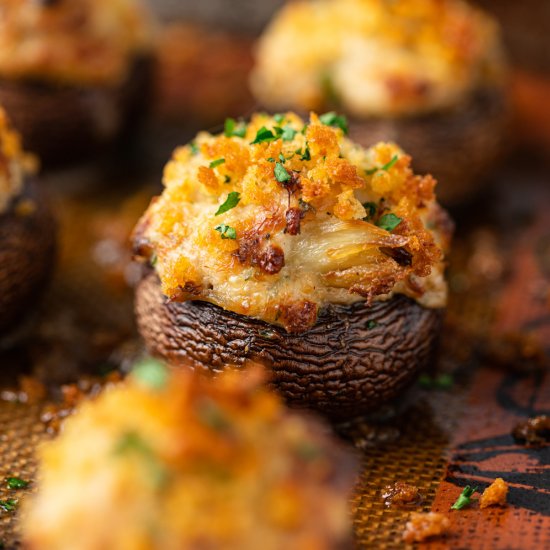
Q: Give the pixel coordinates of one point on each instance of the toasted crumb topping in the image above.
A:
(286, 217)
(495, 494)
(72, 41)
(376, 57)
(177, 461)
(426, 525)
(15, 164)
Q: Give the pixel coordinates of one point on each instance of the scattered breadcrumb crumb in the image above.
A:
(425, 525)
(495, 494)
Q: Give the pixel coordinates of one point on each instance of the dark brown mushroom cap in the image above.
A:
(65, 124)
(353, 360)
(526, 31)
(458, 147)
(27, 250)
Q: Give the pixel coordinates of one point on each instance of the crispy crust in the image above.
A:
(459, 147)
(313, 219)
(64, 124)
(353, 360)
(27, 249)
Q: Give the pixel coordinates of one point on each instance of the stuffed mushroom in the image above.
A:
(73, 74)
(428, 74)
(27, 231)
(286, 244)
(170, 462)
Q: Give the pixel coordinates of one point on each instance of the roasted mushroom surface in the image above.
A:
(27, 231)
(353, 360)
(428, 74)
(287, 244)
(74, 74)
(172, 461)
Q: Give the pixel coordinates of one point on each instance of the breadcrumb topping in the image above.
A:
(84, 41)
(376, 57)
(15, 164)
(426, 525)
(185, 462)
(287, 217)
(495, 494)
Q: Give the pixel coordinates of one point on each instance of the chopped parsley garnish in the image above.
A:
(232, 128)
(232, 200)
(154, 259)
(226, 179)
(335, 120)
(8, 505)
(282, 158)
(279, 118)
(288, 133)
(270, 159)
(443, 381)
(384, 168)
(465, 498)
(371, 208)
(217, 162)
(308, 451)
(194, 148)
(152, 373)
(264, 136)
(281, 173)
(371, 325)
(306, 155)
(226, 231)
(213, 416)
(133, 442)
(389, 222)
(16, 483)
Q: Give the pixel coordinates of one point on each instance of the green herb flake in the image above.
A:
(288, 134)
(384, 168)
(16, 483)
(233, 129)
(226, 231)
(371, 208)
(282, 158)
(371, 325)
(9, 505)
(154, 259)
(465, 498)
(194, 148)
(213, 416)
(335, 120)
(270, 159)
(217, 162)
(226, 179)
(306, 155)
(389, 222)
(444, 381)
(132, 442)
(281, 173)
(308, 451)
(152, 373)
(279, 118)
(232, 200)
(264, 136)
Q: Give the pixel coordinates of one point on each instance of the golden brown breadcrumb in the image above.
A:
(425, 525)
(84, 41)
(495, 494)
(279, 216)
(383, 58)
(174, 460)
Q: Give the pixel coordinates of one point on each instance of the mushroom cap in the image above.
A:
(353, 360)
(27, 250)
(64, 124)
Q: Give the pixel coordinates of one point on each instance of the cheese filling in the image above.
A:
(286, 217)
(376, 57)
